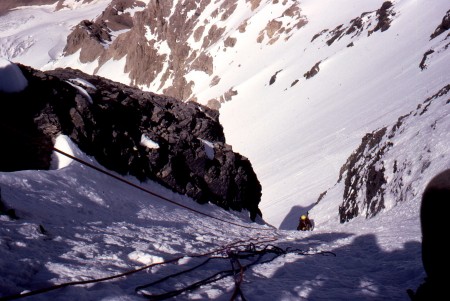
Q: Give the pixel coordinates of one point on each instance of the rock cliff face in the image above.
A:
(163, 41)
(174, 46)
(391, 162)
(439, 47)
(378, 174)
(180, 145)
(369, 22)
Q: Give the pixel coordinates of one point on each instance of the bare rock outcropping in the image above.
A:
(163, 41)
(382, 172)
(441, 46)
(149, 136)
(370, 22)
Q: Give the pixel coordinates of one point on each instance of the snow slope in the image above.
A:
(77, 224)
(12, 78)
(297, 138)
(36, 35)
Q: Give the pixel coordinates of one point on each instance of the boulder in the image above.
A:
(180, 145)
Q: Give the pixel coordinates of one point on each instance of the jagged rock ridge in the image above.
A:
(367, 22)
(378, 174)
(379, 170)
(180, 145)
(358, 25)
(441, 46)
(169, 39)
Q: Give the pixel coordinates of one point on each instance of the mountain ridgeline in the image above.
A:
(378, 170)
(173, 38)
(180, 145)
(379, 174)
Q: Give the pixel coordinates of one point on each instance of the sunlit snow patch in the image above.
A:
(82, 82)
(64, 144)
(147, 142)
(72, 61)
(72, 4)
(114, 35)
(135, 8)
(82, 91)
(11, 77)
(144, 258)
(114, 70)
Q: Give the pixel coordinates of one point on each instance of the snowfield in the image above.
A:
(12, 78)
(77, 232)
(76, 224)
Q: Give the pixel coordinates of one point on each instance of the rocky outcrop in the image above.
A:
(313, 71)
(149, 136)
(89, 38)
(442, 27)
(276, 29)
(439, 47)
(164, 41)
(363, 173)
(366, 23)
(370, 22)
(148, 26)
(389, 164)
(273, 78)
(423, 64)
(384, 17)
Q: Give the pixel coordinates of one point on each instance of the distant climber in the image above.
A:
(435, 228)
(305, 223)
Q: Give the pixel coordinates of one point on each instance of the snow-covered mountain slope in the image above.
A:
(373, 101)
(74, 222)
(393, 164)
(298, 137)
(71, 233)
(74, 233)
(307, 79)
(36, 35)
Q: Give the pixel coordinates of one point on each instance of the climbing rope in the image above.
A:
(219, 250)
(153, 193)
(237, 270)
(110, 174)
(235, 252)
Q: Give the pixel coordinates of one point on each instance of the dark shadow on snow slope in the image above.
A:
(290, 222)
(29, 253)
(367, 273)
